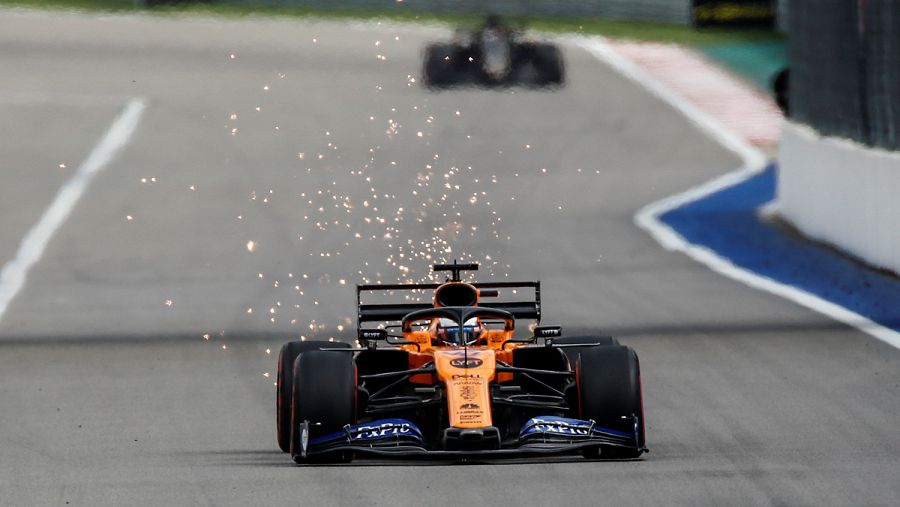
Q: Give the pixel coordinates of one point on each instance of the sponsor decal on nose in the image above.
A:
(463, 362)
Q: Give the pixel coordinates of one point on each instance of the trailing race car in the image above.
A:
(496, 54)
(450, 378)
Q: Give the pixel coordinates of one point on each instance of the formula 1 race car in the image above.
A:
(449, 378)
(494, 55)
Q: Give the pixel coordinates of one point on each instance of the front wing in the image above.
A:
(400, 437)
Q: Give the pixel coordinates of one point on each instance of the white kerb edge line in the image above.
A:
(14, 273)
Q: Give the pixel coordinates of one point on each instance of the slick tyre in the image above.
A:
(548, 63)
(285, 384)
(324, 394)
(609, 393)
(439, 68)
(587, 340)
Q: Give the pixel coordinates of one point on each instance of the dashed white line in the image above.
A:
(754, 161)
(14, 273)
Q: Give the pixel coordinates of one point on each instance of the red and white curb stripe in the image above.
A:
(736, 105)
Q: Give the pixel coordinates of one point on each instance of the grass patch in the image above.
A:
(84, 5)
(611, 28)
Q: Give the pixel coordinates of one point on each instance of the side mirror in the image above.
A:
(547, 332)
(367, 335)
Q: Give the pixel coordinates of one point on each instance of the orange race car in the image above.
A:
(451, 378)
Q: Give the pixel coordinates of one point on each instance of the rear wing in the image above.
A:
(392, 312)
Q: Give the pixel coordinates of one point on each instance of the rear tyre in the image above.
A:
(587, 340)
(324, 395)
(609, 393)
(540, 358)
(440, 66)
(285, 384)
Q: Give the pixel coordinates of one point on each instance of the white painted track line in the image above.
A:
(754, 161)
(14, 273)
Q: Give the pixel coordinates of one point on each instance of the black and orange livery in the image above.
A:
(496, 54)
(451, 377)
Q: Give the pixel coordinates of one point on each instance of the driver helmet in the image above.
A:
(448, 332)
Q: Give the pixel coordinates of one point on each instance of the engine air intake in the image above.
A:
(456, 294)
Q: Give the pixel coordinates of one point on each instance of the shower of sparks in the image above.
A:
(437, 208)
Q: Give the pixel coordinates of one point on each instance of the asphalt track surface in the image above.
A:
(111, 395)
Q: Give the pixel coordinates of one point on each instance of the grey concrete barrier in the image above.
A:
(842, 193)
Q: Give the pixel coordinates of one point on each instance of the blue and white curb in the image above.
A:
(830, 284)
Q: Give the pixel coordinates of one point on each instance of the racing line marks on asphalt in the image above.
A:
(13, 274)
(754, 162)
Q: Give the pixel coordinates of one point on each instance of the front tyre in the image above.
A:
(324, 395)
(285, 385)
(548, 62)
(609, 393)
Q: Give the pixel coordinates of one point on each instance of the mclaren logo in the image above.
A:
(466, 362)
